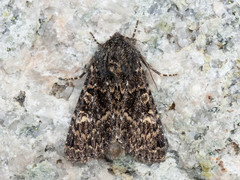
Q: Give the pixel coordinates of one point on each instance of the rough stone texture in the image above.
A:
(43, 40)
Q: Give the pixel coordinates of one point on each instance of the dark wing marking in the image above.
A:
(90, 125)
(141, 125)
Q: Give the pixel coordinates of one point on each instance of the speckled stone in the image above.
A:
(43, 40)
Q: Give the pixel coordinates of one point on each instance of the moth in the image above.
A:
(115, 113)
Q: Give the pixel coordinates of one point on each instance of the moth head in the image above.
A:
(119, 36)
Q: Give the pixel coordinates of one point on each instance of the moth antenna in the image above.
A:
(135, 29)
(94, 38)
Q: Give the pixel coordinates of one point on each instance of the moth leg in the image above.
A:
(86, 69)
(73, 78)
(161, 74)
(148, 67)
(154, 70)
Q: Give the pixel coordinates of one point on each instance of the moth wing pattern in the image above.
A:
(116, 108)
(141, 125)
(89, 127)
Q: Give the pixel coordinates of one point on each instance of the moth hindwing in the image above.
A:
(115, 112)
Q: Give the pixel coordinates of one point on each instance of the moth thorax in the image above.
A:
(115, 67)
